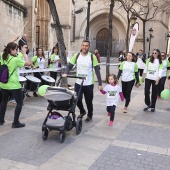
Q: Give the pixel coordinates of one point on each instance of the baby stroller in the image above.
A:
(60, 98)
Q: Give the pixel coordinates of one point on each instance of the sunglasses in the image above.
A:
(154, 53)
(162, 55)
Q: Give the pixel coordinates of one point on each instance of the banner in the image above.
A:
(133, 36)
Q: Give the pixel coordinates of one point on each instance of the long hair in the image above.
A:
(7, 50)
(159, 56)
(42, 52)
(133, 57)
(114, 77)
(164, 55)
(55, 47)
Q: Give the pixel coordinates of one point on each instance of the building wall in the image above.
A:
(11, 18)
(73, 36)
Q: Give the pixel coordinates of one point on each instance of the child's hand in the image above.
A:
(122, 100)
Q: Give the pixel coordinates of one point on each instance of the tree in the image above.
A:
(109, 51)
(128, 6)
(59, 34)
(145, 12)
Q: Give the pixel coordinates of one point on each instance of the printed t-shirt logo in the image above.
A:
(112, 93)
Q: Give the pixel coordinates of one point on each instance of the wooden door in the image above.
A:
(102, 40)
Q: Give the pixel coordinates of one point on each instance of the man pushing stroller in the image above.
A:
(85, 62)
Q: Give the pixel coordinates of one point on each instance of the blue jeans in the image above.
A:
(88, 95)
(17, 95)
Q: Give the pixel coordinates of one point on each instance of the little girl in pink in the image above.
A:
(113, 91)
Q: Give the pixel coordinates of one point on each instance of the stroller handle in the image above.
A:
(83, 78)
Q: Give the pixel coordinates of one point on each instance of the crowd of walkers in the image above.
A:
(152, 70)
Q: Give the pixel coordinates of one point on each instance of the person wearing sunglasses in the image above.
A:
(152, 74)
(166, 66)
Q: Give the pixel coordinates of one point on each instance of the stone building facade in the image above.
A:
(73, 13)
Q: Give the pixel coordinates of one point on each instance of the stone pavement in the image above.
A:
(138, 140)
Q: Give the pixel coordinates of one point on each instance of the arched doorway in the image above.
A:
(102, 40)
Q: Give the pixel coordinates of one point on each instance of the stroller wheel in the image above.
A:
(62, 137)
(45, 134)
(78, 126)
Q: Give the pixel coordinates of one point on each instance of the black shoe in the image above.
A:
(18, 125)
(1, 123)
(82, 114)
(88, 119)
(152, 109)
(147, 108)
(35, 94)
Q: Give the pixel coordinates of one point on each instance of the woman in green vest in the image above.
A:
(54, 61)
(13, 85)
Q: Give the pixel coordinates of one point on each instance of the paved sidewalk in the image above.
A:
(138, 140)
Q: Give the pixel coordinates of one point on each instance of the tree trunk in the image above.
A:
(109, 51)
(60, 38)
(127, 34)
(144, 30)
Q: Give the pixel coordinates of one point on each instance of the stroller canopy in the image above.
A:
(58, 94)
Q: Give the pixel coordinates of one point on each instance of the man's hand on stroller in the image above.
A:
(64, 75)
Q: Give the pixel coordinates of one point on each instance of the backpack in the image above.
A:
(4, 72)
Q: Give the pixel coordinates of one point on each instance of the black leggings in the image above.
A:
(148, 84)
(161, 85)
(17, 94)
(53, 75)
(140, 71)
(111, 110)
(126, 89)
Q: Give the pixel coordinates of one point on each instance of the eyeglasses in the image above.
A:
(154, 53)
(162, 55)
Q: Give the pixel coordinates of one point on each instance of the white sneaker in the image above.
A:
(12, 101)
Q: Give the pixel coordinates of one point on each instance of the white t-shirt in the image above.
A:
(84, 69)
(41, 62)
(55, 65)
(140, 63)
(153, 70)
(112, 94)
(128, 70)
(164, 70)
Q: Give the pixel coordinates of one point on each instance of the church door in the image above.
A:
(102, 40)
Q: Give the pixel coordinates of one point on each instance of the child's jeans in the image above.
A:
(111, 110)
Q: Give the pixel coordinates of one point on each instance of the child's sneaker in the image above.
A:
(109, 114)
(125, 110)
(111, 123)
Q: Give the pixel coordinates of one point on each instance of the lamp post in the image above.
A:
(149, 40)
(168, 36)
(88, 18)
(133, 20)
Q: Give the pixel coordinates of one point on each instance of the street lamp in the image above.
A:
(133, 20)
(168, 36)
(88, 18)
(149, 40)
